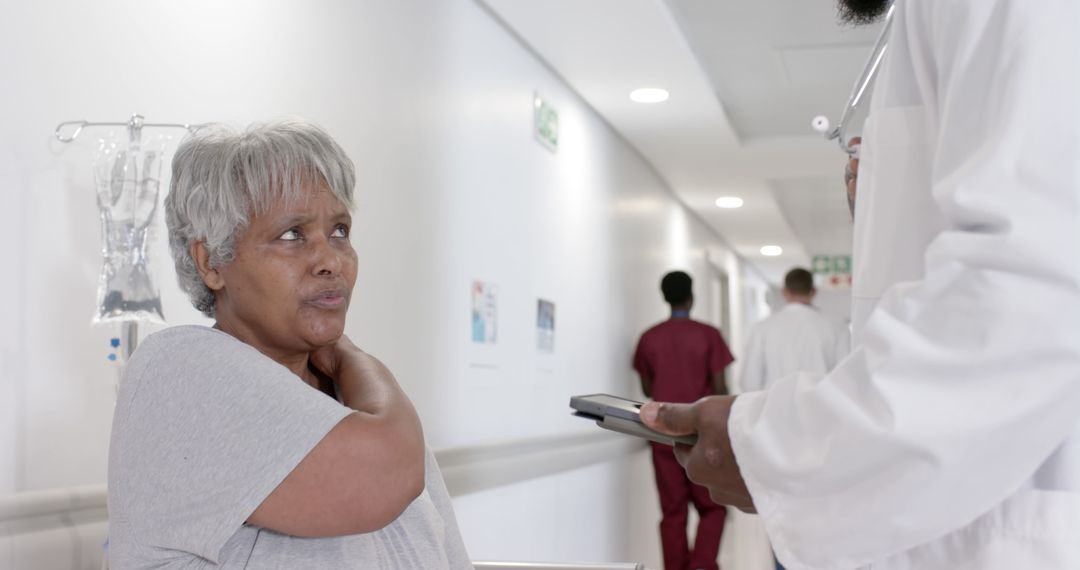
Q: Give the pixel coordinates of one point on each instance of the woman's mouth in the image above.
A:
(331, 299)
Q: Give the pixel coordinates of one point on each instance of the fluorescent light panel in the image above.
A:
(649, 95)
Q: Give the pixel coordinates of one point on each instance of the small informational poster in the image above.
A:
(545, 326)
(485, 311)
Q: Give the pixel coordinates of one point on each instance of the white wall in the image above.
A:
(433, 101)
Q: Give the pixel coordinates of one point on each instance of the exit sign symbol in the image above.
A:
(545, 124)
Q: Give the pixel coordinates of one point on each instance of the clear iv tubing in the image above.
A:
(839, 132)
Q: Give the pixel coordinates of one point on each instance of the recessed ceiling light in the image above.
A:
(649, 95)
(729, 202)
(771, 250)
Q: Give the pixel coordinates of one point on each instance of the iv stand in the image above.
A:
(135, 125)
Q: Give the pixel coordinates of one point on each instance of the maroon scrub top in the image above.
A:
(681, 356)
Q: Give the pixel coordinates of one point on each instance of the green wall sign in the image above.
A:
(545, 124)
(831, 264)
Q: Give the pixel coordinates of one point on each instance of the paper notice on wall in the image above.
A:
(545, 326)
(485, 311)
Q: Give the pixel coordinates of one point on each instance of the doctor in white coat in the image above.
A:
(949, 438)
(795, 338)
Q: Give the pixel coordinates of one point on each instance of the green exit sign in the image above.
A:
(831, 264)
(545, 123)
(834, 270)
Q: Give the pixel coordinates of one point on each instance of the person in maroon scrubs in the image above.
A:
(682, 360)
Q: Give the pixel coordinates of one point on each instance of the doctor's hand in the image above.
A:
(710, 462)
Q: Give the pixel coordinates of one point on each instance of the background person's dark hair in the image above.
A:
(676, 287)
(799, 281)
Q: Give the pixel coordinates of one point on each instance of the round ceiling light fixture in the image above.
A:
(649, 95)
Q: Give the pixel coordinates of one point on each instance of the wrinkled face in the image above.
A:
(288, 287)
(862, 11)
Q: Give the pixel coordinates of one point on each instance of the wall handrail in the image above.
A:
(472, 468)
(52, 502)
(466, 469)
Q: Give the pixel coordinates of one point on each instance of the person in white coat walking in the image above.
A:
(948, 439)
(796, 338)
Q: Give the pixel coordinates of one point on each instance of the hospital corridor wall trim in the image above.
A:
(68, 526)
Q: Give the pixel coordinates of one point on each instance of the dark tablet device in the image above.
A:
(621, 415)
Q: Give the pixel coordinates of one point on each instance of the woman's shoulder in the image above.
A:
(186, 333)
(186, 341)
(189, 350)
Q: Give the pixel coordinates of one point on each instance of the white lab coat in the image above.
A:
(948, 438)
(796, 338)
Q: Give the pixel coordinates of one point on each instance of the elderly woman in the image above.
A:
(269, 440)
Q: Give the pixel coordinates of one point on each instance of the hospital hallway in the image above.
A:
(517, 200)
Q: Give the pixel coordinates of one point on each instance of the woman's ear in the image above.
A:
(210, 275)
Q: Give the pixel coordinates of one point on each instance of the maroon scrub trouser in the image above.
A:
(676, 492)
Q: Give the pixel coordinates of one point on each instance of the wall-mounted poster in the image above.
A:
(485, 310)
(545, 325)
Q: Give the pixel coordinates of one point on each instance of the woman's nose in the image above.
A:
(327, 260)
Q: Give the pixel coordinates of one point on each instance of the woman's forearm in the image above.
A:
(366, 385)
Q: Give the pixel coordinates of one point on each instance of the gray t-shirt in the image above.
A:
(206, 427)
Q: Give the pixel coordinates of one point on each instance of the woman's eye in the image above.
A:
(292, 234)
(341, 231)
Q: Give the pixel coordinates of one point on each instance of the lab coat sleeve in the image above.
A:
(966, 381)
(752, 375)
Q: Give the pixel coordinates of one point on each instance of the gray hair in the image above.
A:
(221, 178)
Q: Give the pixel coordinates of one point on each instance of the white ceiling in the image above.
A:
(746, 77)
